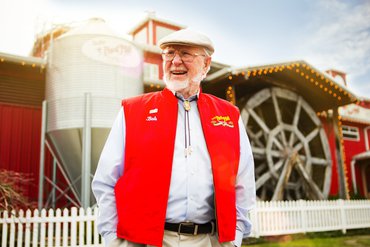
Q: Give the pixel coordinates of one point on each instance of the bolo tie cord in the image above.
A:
(186, 105)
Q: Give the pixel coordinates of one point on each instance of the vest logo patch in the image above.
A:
(222, 121)
(150, 118)
(155, 110)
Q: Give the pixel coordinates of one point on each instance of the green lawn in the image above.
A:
(362, 240)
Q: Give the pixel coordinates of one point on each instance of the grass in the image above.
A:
(355, 238)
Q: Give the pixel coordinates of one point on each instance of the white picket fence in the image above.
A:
(76, 227)
(289, 217)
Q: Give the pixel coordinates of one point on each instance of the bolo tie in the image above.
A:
(186, 104)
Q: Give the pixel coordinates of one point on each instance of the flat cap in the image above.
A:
(187, 37)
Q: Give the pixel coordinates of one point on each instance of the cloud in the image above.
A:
(340, 38)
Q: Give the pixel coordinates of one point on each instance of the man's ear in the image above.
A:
(207, 64)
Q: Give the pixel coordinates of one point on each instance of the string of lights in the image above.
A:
(311, 75)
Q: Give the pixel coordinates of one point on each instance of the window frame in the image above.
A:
(350, 133)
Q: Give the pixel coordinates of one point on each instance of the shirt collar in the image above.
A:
(179, 95)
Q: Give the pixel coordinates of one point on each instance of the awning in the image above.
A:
(319, 89)
(22, 80)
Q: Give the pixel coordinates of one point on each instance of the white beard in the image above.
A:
(175, 85)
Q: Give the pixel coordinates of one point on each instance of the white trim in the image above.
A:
(17, 59)
(153, 18)
(150, 32)
(366, 138)
(353, 173)
(351, 130)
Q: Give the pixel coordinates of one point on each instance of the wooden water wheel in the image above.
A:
(290, 147)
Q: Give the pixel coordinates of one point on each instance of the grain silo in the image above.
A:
(89, 71)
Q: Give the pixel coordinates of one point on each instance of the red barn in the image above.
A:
(356, 140)
(290, 111)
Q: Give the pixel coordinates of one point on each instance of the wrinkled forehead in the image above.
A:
(189, 48)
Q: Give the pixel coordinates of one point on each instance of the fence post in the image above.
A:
(342, 215)
(303, 210)
(27, 238)
(5, 228)
(65, 227)
(58, 216)
(74, 226)
(81, 226)
(12, 229)
(50, 227)
(35, 233)
(20, 220)
(88, 226)
(43, 220)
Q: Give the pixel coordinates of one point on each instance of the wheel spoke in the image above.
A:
(261, 152)
(254, 138)
(298, 147)
(278, 115)
(279, 164)
(314, 189)
(276, 154)
(260, 168)
(278, 144)
(292, 139)
(312, 135)
(262, 180)
(319, 161)
(283, 179)
(259, 120)
(297, 111)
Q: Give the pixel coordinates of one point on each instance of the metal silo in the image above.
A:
(89, 71)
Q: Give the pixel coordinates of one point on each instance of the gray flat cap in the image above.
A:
(187, 37)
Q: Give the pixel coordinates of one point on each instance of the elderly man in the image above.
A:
(177, 168)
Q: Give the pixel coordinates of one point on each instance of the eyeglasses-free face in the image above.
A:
(185, 55)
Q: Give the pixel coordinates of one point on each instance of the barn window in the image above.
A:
(151, 71)
(350, 133)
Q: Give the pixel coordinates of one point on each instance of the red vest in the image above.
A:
(142, 191)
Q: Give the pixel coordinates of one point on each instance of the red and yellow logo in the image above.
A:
(222, 121)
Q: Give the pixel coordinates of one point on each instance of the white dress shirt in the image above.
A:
(191, 189)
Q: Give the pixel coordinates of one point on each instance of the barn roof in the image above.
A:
(22, 80)
(319, 89)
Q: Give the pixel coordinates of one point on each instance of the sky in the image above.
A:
(327, 34)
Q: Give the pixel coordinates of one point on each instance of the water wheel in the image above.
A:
(290, 147)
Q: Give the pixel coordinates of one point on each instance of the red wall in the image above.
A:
(351, 148)
(20, 134)
(20, 141)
